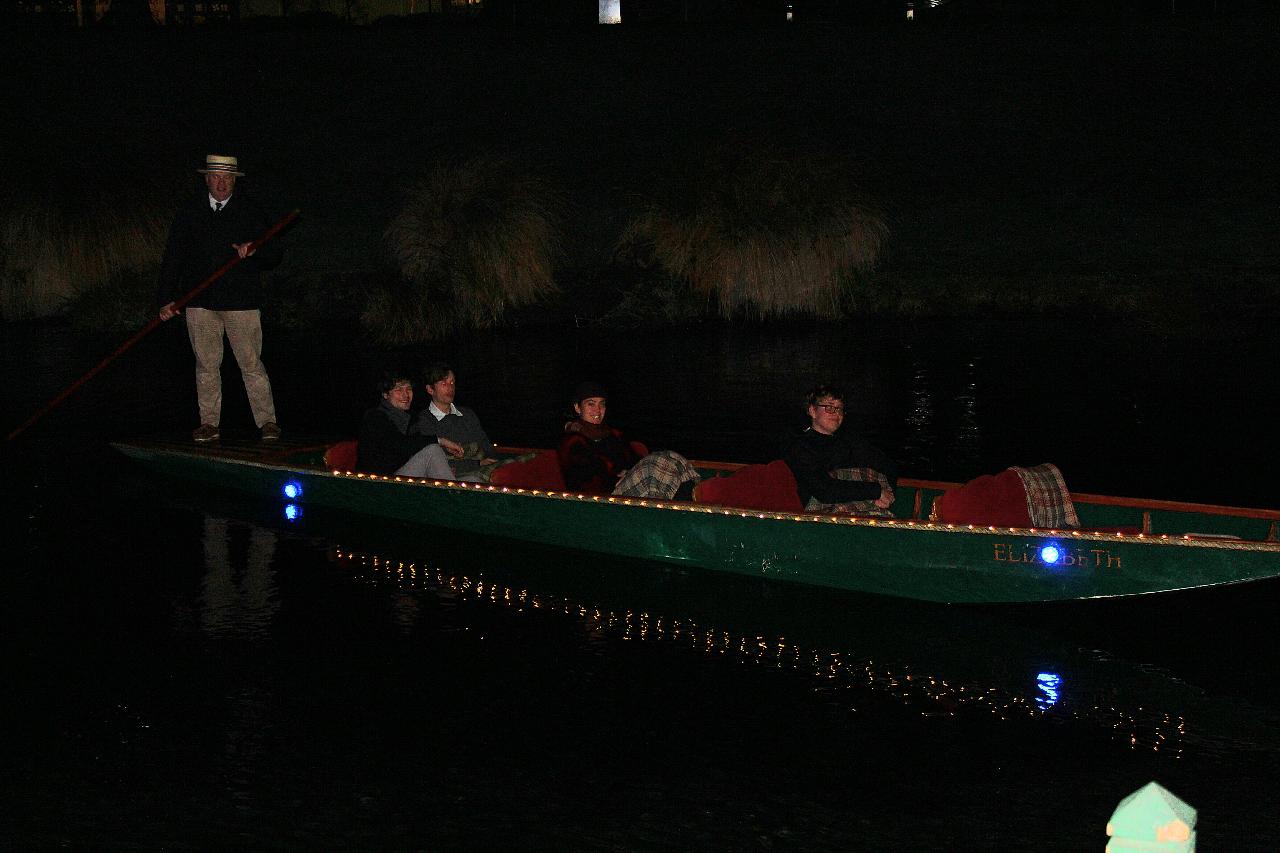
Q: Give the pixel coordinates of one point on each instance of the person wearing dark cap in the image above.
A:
(597, 459)
(209, 230)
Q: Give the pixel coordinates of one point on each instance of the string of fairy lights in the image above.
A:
(835, 674)
(1191, 540)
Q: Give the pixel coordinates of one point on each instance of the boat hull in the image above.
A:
(909, 559)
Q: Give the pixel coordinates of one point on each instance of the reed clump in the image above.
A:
(472, 241)
(70, 225)
(761, 232)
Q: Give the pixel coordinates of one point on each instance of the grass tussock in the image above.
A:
(761, 233)
(85, 219)
(126, 302)
(472, 241)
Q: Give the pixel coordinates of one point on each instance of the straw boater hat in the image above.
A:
(219, 164)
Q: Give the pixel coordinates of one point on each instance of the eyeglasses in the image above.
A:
(832, 408)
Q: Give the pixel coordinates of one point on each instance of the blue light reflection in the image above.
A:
(1049, 684)
(292, 512)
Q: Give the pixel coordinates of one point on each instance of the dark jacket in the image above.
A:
(200, 243)
(592, 465)
(383, 447)
(812, 455)
(466, 430)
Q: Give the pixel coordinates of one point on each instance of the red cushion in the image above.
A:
(999, 500)
(540, 472)
(341, 456)
(769, 487)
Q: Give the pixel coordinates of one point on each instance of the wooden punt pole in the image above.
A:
(178, 304)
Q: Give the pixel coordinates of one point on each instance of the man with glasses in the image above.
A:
(836, 470)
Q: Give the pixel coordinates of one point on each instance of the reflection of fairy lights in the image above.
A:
(1048, 684)
(839, 677)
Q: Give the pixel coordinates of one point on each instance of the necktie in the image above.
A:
(217, 206)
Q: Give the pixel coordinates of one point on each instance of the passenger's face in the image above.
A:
(827, 415)
(591, 410)
(442, 392)
(400, 396)
(220, 185)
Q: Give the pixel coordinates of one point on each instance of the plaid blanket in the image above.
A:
(657, 475)
(1048, 501)
(855, 507)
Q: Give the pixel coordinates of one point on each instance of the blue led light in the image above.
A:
(292, 512)
(1050, 555)
(293, 490)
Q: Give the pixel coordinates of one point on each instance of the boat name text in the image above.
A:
(1098, 558)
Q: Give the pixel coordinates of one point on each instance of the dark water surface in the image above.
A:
(193, 671)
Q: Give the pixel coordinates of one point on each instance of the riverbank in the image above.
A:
(1016, 162)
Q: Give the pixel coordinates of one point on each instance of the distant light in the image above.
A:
(611, 11)
(293, 512)
(1050, 554)
(293, 490)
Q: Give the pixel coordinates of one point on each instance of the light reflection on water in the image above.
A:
(238, 595)
(841, 676)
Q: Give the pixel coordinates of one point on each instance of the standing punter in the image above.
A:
(207, 231)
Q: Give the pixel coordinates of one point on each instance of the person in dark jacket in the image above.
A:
(825, 448)
(593, 455)
(388, 442)
(597, 459)
(208, 231)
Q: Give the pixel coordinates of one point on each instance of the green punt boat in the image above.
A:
(1126, 547)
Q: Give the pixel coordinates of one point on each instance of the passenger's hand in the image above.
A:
(168, 312)
(886, 498)
(242, 249)
(451, 447)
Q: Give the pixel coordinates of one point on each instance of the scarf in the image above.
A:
(399, 417)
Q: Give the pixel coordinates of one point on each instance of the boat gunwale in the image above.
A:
(280, 462)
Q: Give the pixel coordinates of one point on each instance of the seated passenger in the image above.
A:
(836, 470)
(458, 424)
(388, 443)
(597, 459)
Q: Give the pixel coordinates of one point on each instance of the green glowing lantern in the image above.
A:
(1152, 819)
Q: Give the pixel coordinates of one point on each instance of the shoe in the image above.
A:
(270, 432)
(205, 432)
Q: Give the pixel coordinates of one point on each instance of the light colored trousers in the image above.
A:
(243, 329)
(430, 462)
